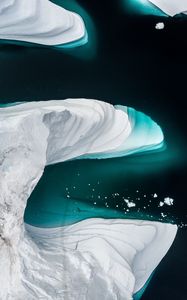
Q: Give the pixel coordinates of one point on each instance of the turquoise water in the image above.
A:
(140, 293)
(144, 136)
(142, 7)
(9, 104)
(69, 45)
(74, 190)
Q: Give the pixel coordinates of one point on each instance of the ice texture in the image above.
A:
(42, 263)
(39, 21)
(171, 7)
(121, 254)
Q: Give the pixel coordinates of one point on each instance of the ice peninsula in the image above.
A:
(92, 259)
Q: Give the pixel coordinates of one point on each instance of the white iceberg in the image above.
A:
(171, 7)
(40, 22)
(121, 254)
(112, 258)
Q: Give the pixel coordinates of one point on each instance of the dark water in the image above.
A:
(125, 62)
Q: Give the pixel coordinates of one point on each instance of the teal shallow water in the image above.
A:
(140, 293)
(142, 7)
(72, 191)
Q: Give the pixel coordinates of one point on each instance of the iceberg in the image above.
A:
(171, 7)
(40, 22)
(161, 8)
(113, 259)
(121, 254)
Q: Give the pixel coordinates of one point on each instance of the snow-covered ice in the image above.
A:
(45, 263)
(171, 7)
(39, 21)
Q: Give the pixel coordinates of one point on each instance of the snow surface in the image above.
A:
(93, 259)
(122, 254)
(171, 7)
(39, 21)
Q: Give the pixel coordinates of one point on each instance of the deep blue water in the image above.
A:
(126, 61)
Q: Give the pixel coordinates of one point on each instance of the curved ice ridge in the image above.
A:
(120, 254)
(171, 7)
(80, 128)
(39, 21)
(35, 134)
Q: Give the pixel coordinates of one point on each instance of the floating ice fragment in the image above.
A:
(161, 204)
(155, 195)
(163, 215)
(159, 26)
(168, 201)
(130, 203)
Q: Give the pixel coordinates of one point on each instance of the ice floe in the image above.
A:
(44, 264)
(40, 22)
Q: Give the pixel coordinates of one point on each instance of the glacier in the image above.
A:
(40, 22)
(112, 259)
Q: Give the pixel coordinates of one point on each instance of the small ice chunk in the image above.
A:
(155, 195)
(163, 215)
(161, 204)
(129, 203)
(168, 201)
(159, 26)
